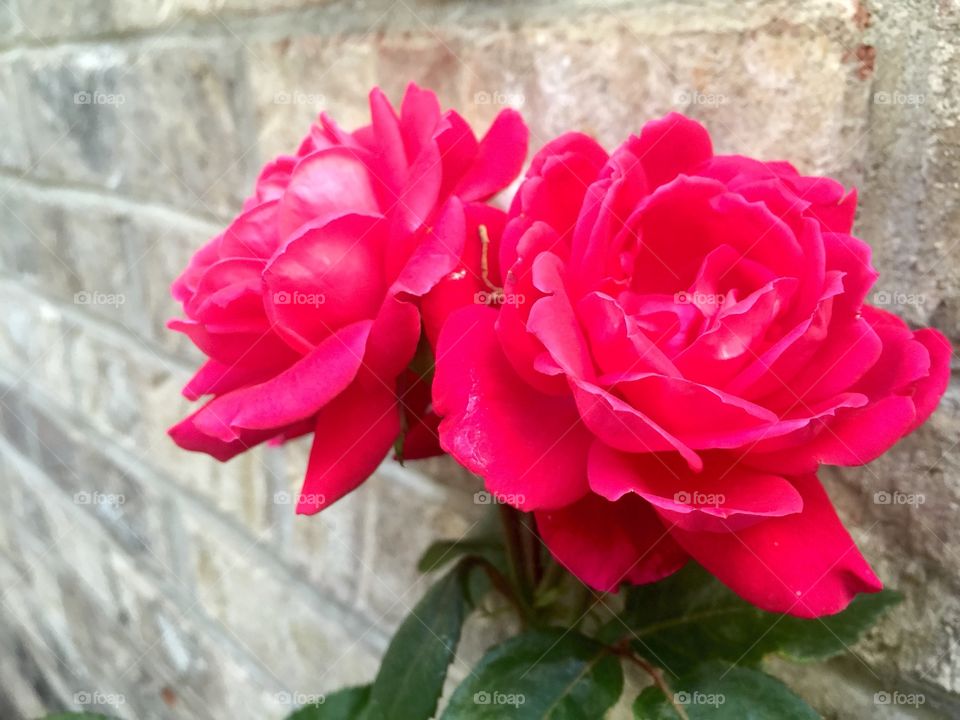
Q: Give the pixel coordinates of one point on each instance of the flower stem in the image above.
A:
(623, 650)
(513, 533)
(503, 587)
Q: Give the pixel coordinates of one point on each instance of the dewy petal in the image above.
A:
(296, 393)
(526, 445)
(353, 435)
(722, 496)
(326, 184)
(606, 543)
(804, 564)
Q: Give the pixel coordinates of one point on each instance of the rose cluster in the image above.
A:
(653, 350)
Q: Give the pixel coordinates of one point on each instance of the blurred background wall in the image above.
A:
(151, 583)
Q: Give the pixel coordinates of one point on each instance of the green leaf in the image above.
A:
(344, 704)
(716, 692)
(540, 675)
(691, 617)
(444, 552)
(411, 677)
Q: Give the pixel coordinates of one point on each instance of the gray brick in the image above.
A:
(911, 543)
(326, 548)
(162, 122)
(81, 263)
(76, 19)
(910, 208)
(10, 23)
(784, 91)
(14, 150)
(160, 247)
(307, 642)
(293, 79)
(407, 514)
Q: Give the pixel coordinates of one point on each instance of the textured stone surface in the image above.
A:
(911, 200)
(129, 131)
(294, 79)
(14, 150)
(144, 120)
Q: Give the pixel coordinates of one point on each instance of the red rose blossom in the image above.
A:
(307, 305)
(681, 341)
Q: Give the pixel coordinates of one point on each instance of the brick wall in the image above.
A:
(165, 585)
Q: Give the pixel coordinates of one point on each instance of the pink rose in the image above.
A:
(687, 343)
(307, 305)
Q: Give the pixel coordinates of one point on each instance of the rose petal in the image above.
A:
(296, 393)
(325, 185)
(723, 496)
(804, 565)
(499, 158)
(931, 388)
(523, 443)
(669, 146)
(606, 543)
(353, 435)
(325, 277)
(623, 427)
